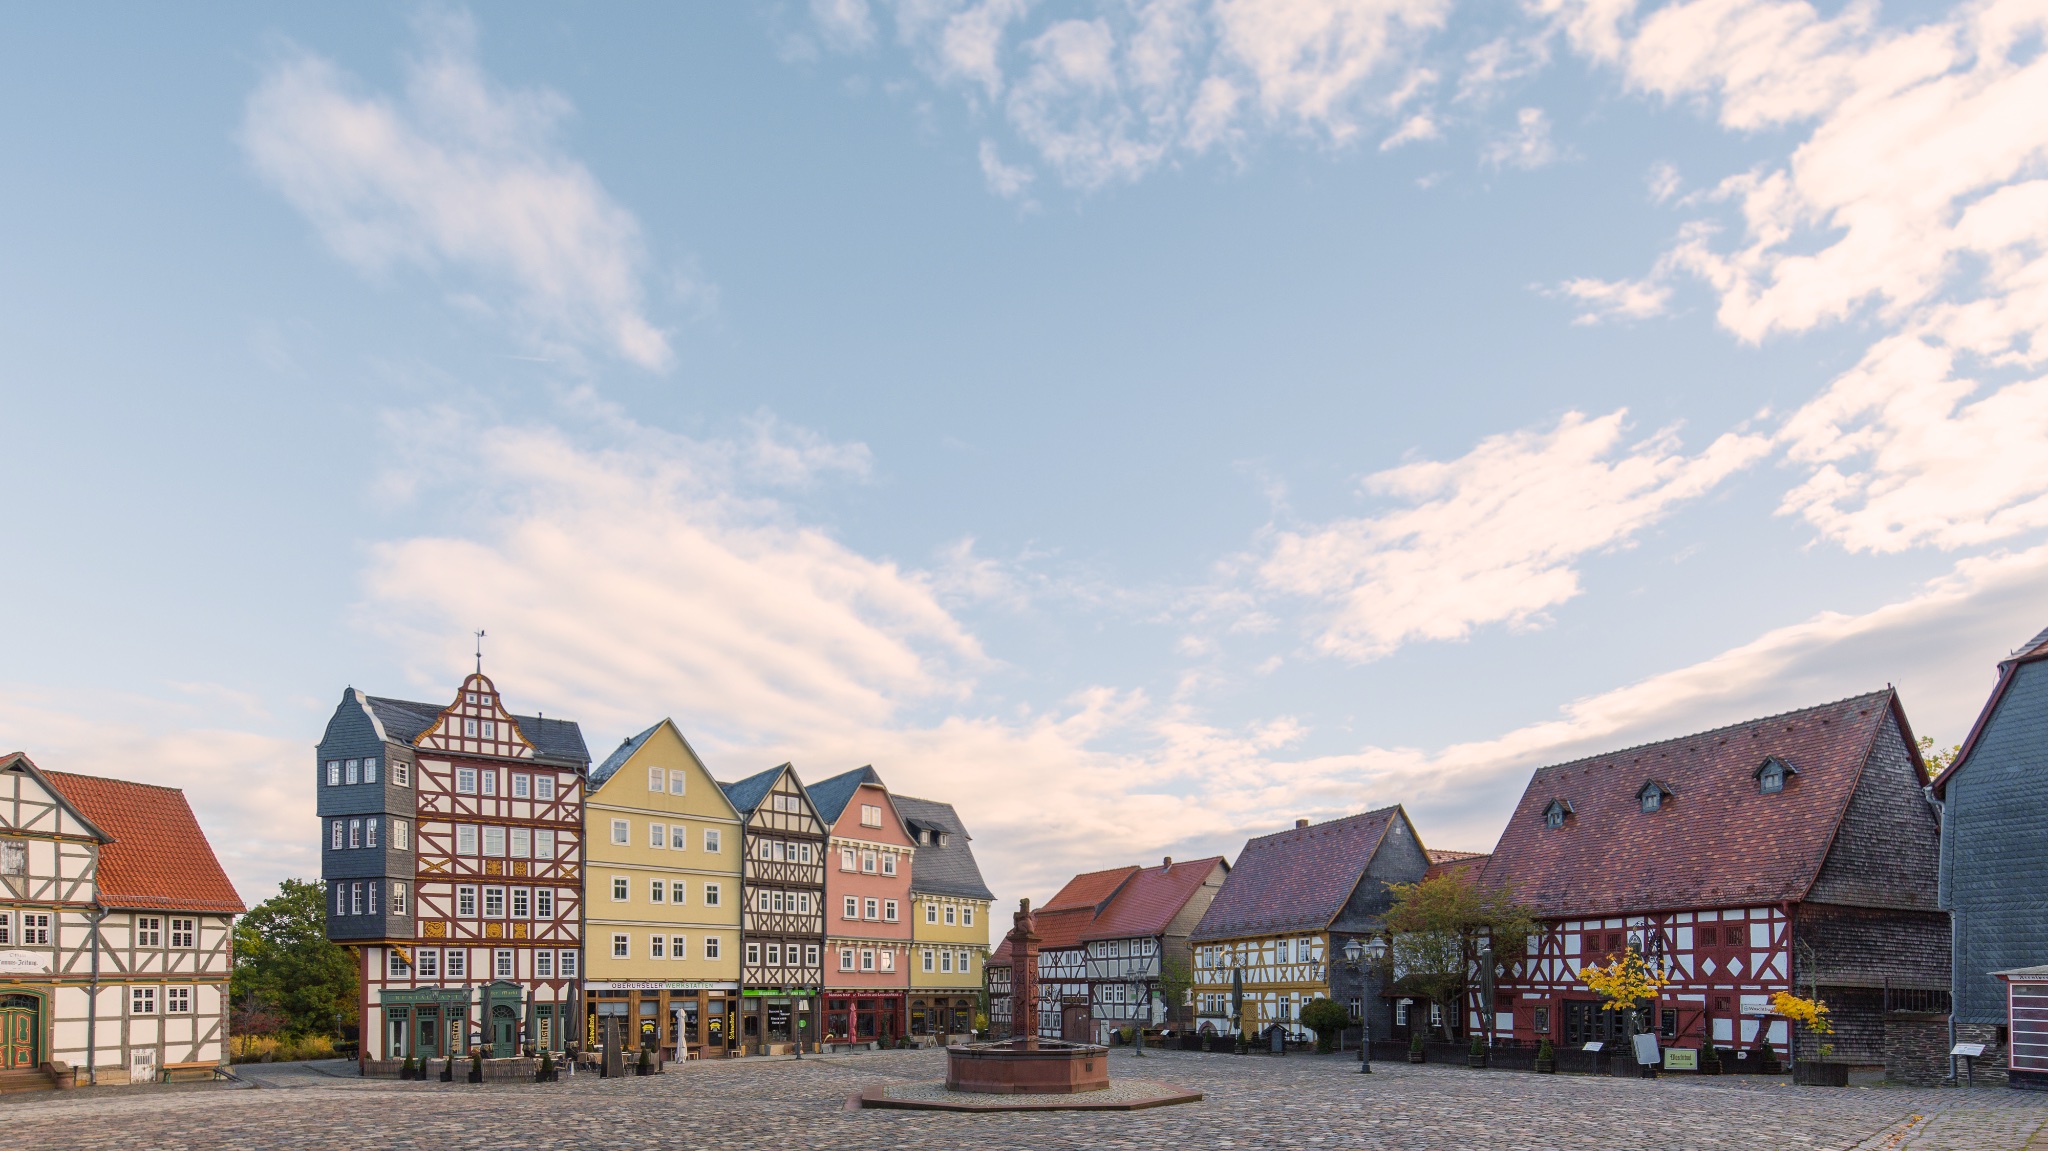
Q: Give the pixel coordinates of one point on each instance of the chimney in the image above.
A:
(1169, 861)
(1300, 823)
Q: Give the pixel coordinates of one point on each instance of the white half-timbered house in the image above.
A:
(1065, 1002)
(1790, 852)
(782, 916)
(452, 847)
(1143, 927)
(116, 932)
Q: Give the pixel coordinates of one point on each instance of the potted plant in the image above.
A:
(1415, 1047)
(448, 1069)
(1546, 1058)
(1710, 1058)
(476, 1064)
(1767, 1059)
(408, 1069)
(645, 1066)
(546, 1074)
(1477, 1058)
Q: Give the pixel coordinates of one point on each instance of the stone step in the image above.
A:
(13, 1082)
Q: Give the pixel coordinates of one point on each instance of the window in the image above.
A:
(567, 963)
(928, 959)
(465, 780)
(398, 898)
(679, 837)
(401, 773)
(465, 839)
(867, 862)
(522, 786)
(620, 893)
(778, 899)
(753, 954)
(678, 947)
(429, 963)
(889, 864)
(889, 910)
(370, 832)
(852, 910)
(810, 955)
(803, 901)
(543, 787)
(35, 927)
(142, 1001)
(458, 964)
(355, 899)
(949, 915)
(401, 835)
(522, 842)
(369, 771)
(355, 833)
(846, 862)
(6, 927)
(469, 728)
(656, 890)
(504, 963)
(522, 903)
(543, 843)
(1543, 1022)
(678, 892)
(334, 773)
(967, 916)
(678, 782)
(870, 909)
(931, 912)
(184, 933)
(622, 832)
(494, 841)
(489, 778)
(465, 902)
(1667, 1023)
(964, 963)
(711, 947)
(657, 836)
(373, 885)
(870, 815)
(149, 931)
(494, 903)
(351, 772)
(867, 960)
(622, 948)
(846, 959)
(1553, 816)
(1771, 775)
(333, 838)
(490, 732)
(543, 964)
(544, 903)
(657, 947)
(711, 839)
(656, 779)
(710, 897)
(888, 961)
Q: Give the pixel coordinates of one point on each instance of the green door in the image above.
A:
(504, 1032)
(20, 1021)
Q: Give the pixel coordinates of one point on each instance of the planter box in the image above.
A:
(1389, 1051)
(1513, 1058)
(1452, 1053)
(1578, 1061)
(1808, 1073)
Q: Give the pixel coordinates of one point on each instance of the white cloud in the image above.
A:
(1528, 147)
(1616, 299)
(1421, 126)
(846, 25)
(458, 174)
(1490, 537)
(1004, 180)
(1664, 182)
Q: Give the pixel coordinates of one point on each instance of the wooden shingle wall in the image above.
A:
(1887, 850)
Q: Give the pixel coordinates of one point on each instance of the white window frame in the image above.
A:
(657, 780)
(622, 889)
(141, 1001)
(465, 902)
(851, 908)
(622, 832)
(711, 840)
(712, 892)
(678, 782)
(622, 945)
(657, 836)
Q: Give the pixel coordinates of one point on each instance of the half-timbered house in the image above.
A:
(116, 932)
(1065, 1002)
(1291, 903)
(782, 912)
(1143, 927)
(1994, 872)
(949, 923)
(1791, 850)
(868, 867)
(663, 910)
(452, 849)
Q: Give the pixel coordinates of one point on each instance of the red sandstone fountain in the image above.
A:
(1026, 1064)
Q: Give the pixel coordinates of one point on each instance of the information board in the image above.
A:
(1681, 1059)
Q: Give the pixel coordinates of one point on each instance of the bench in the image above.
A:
(189, 1072)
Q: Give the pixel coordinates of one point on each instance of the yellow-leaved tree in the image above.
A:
(1811, 1014)
(1624, 982)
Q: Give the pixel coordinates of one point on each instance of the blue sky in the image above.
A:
(1140, 423)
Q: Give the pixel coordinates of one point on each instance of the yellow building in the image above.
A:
(662, 897)
(949, 924)
(1279, 926)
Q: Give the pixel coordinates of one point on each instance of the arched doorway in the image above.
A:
(504, 1032)
(21, 1028)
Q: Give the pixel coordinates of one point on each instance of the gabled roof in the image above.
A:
(747, 794)
(1151, 898)
(2034, 650)
(1718, 842)
(1057, 930)
(158, 858)
(831, 796)
(404, 720)
(1298, 879)
(941, 869)
(19, 761)
(1443, 862)
(1090, 889)
(617, 759)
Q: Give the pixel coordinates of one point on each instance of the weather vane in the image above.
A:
(480, 633)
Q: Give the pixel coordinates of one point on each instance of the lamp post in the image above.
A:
(1355, 953)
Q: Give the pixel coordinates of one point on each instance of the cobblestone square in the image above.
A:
(1250, 1102)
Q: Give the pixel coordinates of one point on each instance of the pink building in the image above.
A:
(867, 909)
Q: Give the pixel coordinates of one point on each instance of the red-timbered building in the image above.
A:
(1793, 849)
(782, 912)
(452, 847)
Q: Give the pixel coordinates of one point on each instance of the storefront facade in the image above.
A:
(867, 910)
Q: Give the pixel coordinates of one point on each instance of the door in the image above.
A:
(504, 1032)
(1075, 1024)
(20, 1024)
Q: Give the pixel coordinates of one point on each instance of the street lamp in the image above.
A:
(1355, 953)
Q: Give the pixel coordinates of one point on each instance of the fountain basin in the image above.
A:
(1038, 1067)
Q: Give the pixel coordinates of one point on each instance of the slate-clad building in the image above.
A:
(1994, 871)
(1291, 903)
(949, 923)
(452, 850)
(1792, 849)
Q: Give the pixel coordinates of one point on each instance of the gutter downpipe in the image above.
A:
(92, 1003)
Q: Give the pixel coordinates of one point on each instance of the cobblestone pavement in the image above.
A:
(1301, 1103)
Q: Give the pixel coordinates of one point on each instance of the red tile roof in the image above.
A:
(1717, 841)
(1298, 879)
(1150, 900)
(159, 858)
(1056, 930)
(1446, 862)
(1089, 888)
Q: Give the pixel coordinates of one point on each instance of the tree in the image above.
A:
(251, 1018)
(284, 962)
(1176, 984)
(1937, 761)
(1440, 926)
(1624, 984)
(1326, 1019)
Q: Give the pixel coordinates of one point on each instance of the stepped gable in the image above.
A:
(1296, 880)
(1716, 841)
(159, 859)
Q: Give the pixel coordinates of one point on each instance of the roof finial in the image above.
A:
(480, 651)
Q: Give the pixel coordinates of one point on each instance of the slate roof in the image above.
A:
(2033, 651)
(1090, 889)
(1717, 842)
(617, 759)
(1148, 902)
(747, 794)
(158, 858)
(1298, 879)
(936, 870)
(830, 796)
(405, 719)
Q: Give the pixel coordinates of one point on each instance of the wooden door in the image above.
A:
(1075, 1024)
(20, 1023)
(504, 1032)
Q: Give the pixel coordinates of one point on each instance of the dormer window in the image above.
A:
(1772, 775)
(1652, 797)
(1553, 816)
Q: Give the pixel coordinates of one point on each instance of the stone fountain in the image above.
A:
(1026, 1064)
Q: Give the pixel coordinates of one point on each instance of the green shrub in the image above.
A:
(1415, 1041)
(1478, 1044)
(1545, 1051)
